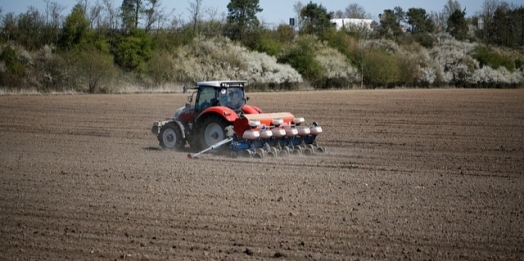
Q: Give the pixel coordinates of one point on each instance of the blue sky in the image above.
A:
(275, 11)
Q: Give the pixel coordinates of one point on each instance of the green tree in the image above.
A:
(450, 7)
(133, 51)
(486, 17)
(457, 25)
(389, 25)
(10, 31)
(242, 18)
(151, 12)
(269, 42)
(356, 11)
(51, 31)
(400, 14)
(130, 13)
(30, 25)
(14, 73)
(419, 21)
(302, 58)
(315, 19)
(507, 26)
(75, 28)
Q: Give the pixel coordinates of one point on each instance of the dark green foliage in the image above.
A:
(270, 46)
(421, 27)
(9, 28)
(426, 40)
(75, 28)
(168, 40)
(457, 25)
(130, 14)
(73, 52)
(505, 28)
(341, 41)
(315, 19)
(407, 71)
(419, 21)
(389, 25)
(133, 51)
(272, 42)
(30, 26)
(241, 18)
(286, 34)
(511, 29)
(14, 74)
(381, 68)
(302, 58)
(252, 39)
(519, 64)
(488, 57)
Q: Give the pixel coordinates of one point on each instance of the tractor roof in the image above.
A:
(224, 84)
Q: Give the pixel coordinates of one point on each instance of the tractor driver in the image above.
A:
(236, 99)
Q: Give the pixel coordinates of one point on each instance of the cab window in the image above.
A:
(205, 99)
(232, 98)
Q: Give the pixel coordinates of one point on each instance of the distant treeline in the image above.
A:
(138, 46)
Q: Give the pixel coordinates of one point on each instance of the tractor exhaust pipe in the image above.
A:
(195, 155)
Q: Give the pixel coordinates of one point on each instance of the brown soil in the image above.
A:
(408, 174)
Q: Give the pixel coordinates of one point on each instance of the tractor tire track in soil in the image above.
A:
(408, 174)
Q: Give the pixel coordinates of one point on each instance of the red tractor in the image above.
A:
(206, 122)
(220, 115)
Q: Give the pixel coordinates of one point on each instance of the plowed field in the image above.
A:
(408, 174)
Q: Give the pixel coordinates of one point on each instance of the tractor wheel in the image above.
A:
(212, 130)
(170, 137)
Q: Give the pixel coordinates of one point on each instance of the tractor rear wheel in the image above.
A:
(170, 137)
(211, 131)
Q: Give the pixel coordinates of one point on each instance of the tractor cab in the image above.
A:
(223, 97)
(215, 93)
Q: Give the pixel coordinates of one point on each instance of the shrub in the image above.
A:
(338, 70)
(132, 51)
(486, 56)
(269, 45)
(56, 71)
(452, 61)
(488, 77)
(408, 70)
(302, 58)
(286, 33)
(13, 72)
(219, 58)
(380, 68)
(341, 41)
(160, 68)
(96, 67)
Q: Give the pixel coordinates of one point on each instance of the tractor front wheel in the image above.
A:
(170, 137)
(212, 130)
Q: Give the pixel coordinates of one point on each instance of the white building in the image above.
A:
(349, 23)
